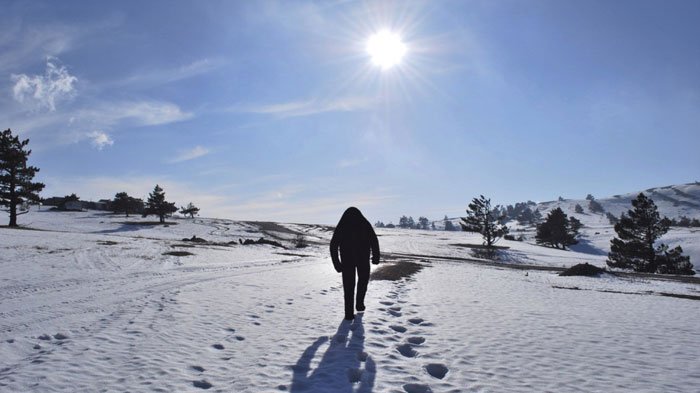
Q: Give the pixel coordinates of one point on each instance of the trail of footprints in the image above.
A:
(230, 336)
(410, 347)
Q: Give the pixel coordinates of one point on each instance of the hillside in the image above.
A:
(673, 202)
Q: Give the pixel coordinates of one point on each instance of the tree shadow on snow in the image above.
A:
(341, 367)
(120, 229)
(586, 247)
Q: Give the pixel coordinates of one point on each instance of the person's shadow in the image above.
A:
(340, 369)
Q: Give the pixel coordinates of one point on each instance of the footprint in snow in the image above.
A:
(437, 370)
(232, 330)
(197, 368)
(416, 340)
(407, 350)
(387, 303)
(398, 328)
(240, 338)
(218, 346)
(395, 313)
(416, 388)
(203, 384)
(416, 321)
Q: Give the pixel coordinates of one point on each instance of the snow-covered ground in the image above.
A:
(91, 302)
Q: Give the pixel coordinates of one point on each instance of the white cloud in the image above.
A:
(100, 139)
(44, 91)
(311, 107)
(191, 154)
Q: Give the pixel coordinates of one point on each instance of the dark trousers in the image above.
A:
(349, 284)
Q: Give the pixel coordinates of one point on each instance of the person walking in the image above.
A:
(355, 238)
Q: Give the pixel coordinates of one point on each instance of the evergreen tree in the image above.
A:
(379, 224)
(158, 206)
(190, 210)
(589, 197)
(612, 218)
(536, 216)
(595, 207)
(578, 209)
(16, 186)
(403, 222)
(558, 230)
(124, 203)
(633, 248)
(449, 226)
(432, 226)
(480, 219)
(673, 261)
(411, 223)
(423, 222)
(574, 225)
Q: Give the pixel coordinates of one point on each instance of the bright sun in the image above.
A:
(386, 49)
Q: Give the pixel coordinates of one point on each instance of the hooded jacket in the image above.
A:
(355, 238)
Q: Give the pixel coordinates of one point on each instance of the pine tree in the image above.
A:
(578, 209)
(558, 230)
(190, 210)
(595, 207)
(16, 186)
(673, 261)
(158, 206)
(633, 248)
(449, 226)
(423, 222)
(124, 203)
(480, 218)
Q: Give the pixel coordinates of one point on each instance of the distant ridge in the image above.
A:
(673, 201)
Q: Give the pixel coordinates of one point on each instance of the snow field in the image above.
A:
(96, 307)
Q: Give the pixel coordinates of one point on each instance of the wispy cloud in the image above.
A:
(100, 139)
(150, 77)
(191, 154)
(44, 91)
(310, 107)
(140, 113)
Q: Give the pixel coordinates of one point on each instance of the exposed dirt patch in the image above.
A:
(182, 245)
(396, 271)
(680, 296)
(478, 246)
(178, 253)
(148, 223)
(291, 254)
(583, 269)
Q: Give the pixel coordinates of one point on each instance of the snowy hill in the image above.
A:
(673, 202)
(95, 302)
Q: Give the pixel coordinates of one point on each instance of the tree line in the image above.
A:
(634, 247)
(17, 188)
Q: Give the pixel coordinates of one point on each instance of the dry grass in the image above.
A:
(396, 271)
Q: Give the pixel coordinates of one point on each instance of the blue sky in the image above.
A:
(273, 110)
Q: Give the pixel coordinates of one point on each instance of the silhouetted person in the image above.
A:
(355, 237)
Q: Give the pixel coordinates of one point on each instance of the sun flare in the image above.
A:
(386, 49)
